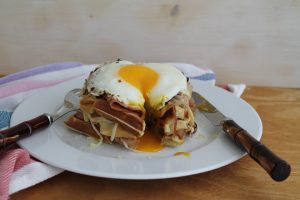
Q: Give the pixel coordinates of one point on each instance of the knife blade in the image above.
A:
(276, 167)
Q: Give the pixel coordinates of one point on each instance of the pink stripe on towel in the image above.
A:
(27, 85)
(11, 161)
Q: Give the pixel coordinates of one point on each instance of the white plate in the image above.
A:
(210, 148)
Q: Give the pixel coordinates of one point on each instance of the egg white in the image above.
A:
(105, 79)
(171, 81)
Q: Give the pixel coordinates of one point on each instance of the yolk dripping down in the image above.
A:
(150, 142)
(141, 77)
(144, 79)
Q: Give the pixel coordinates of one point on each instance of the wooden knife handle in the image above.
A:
(277, 168)
(24, 129)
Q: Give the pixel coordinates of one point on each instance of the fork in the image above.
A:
(27, 128)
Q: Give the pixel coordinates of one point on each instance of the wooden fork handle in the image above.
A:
(276, 167)
(24, 129)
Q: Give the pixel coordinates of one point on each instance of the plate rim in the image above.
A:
(161, 175)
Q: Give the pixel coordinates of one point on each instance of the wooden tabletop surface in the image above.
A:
(280, 112)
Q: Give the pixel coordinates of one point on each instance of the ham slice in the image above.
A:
(129, 117)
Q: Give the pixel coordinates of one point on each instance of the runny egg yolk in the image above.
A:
(144, 79)
(141, 77)
(150, 142)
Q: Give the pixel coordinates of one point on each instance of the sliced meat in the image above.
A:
(131, 118)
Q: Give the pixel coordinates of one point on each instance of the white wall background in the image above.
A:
(256, 41)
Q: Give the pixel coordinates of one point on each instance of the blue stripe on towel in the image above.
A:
(5, 119)
(205, 77)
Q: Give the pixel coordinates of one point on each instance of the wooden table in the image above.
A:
(280, 112)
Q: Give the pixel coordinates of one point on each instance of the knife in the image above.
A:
(276, 167)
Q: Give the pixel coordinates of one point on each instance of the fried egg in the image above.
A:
(137, 83)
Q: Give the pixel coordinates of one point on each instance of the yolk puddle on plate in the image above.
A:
(187, 154)
(139, 76)
(150, 142)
